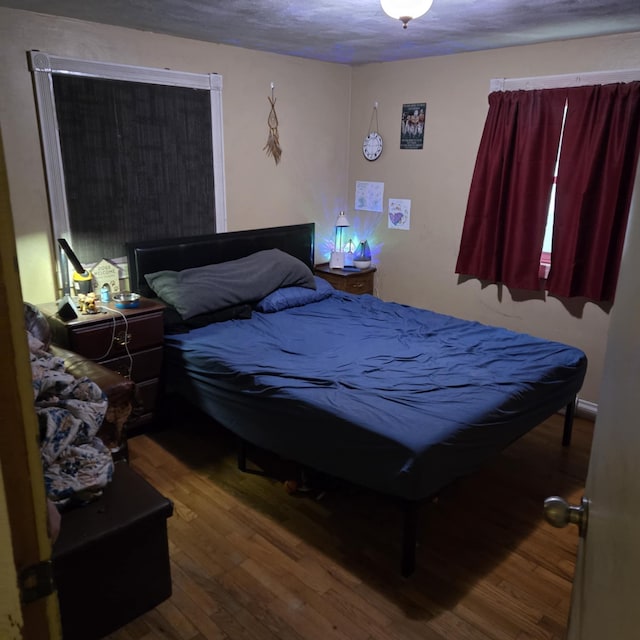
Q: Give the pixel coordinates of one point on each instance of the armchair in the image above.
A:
(119, 391)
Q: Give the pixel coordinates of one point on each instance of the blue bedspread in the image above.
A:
(395, 398)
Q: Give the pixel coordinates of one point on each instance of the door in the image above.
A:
(606, 590)
(22, 494)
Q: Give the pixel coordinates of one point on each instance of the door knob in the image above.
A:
(559, 513)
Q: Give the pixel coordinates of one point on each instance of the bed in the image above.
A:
(397, 399)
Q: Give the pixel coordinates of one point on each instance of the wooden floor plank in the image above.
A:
(250, 561)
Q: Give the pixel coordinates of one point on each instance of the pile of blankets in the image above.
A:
(77, 465)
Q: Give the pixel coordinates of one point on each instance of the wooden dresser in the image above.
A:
(351, 281)
(128, 341)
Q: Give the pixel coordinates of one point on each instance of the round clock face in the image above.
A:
(372, 147)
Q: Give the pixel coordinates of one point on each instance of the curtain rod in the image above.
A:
(566, 80)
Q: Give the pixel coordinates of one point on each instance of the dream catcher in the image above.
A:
(273, 142)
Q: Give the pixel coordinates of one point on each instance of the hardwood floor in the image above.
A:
(251, 561)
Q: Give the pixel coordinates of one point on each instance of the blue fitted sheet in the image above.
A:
(398, 399)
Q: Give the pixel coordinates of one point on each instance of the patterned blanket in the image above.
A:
(77, 465)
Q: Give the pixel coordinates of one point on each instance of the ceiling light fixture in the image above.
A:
(405, 10)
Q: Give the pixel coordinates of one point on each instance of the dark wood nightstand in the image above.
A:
(128, 341)
(356, 281)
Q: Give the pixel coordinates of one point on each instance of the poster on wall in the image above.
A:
(369, 195)
(399, 213)
(412, 125)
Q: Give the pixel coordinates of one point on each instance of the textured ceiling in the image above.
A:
(356, 31)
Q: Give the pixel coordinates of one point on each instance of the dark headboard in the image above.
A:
(176, 254)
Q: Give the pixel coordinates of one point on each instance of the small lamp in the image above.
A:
(337, 255)
(82, 279)
(405, 10)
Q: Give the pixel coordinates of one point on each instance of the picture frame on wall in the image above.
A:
(412, 125)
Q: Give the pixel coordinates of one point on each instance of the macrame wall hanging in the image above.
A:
(273, 142)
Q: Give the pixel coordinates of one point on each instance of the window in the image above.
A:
(545, 256)
(508, 206)
(131, 153)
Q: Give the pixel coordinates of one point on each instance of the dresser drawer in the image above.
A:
(146, 399)
(358, 284)
(143, 365)
(104, 340)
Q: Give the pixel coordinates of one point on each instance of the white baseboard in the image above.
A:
(586, 409)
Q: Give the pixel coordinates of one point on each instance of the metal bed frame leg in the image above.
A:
(568, 422)
(409, 533)
(409, 538)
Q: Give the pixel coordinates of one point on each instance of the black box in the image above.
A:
(111, 559)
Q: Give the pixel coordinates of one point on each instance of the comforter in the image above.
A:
(395, 398)
(76, 463)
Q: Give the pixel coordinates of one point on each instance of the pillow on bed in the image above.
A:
(288, 297)
(218, 286)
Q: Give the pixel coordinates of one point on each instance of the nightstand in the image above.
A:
(351, 281)
(128, 341)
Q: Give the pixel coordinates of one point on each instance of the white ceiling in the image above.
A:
(356, 31)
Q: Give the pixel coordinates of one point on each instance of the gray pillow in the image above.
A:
(218, 286)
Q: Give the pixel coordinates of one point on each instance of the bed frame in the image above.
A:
(297, 240)
(176, 254)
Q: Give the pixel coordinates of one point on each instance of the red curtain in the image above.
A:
(509, 195)
(596, 175)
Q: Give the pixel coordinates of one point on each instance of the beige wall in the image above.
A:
(320, 106)
(312, 104)
(417, 267)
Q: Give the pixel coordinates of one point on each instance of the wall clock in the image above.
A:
(372, 145)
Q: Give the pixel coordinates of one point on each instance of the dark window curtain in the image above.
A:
(596, 174)
(509, 195)
(138, 162)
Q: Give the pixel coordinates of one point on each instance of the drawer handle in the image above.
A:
(357, 285)
(123, 339)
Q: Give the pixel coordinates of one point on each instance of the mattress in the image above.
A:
(394, 398)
